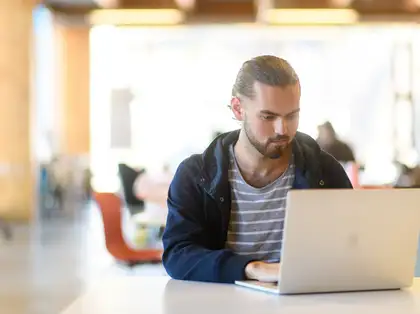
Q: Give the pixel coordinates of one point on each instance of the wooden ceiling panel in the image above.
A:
(225, 8)
(146, 4)
(81, 6)
(362, 6)
(303, 4)
(385, 6)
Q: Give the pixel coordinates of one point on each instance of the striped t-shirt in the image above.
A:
(257, 214)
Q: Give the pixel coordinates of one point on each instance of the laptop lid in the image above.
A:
(346, 240)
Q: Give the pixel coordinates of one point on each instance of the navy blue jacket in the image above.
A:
(199, 208)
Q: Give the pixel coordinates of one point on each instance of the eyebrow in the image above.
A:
(278, 115)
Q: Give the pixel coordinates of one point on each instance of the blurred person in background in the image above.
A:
(152, 187)
(58, 178)
(87, 183)
(329, 142)
(226, 206)
(408, 177)
(216, 134)
(5, 229)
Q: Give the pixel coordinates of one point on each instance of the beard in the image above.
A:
(268, 148)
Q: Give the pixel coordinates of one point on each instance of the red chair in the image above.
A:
(110, 206)
(376, 187)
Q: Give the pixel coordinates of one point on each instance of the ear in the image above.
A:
(237, 108)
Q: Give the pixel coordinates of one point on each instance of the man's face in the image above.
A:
(271, 118)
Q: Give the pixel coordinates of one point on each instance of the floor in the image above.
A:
(49, 264)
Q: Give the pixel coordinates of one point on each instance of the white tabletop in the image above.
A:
(161, 295)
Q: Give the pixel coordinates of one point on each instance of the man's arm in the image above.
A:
(185, 254)
(332, 169)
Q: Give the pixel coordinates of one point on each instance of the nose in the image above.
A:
(280, 126)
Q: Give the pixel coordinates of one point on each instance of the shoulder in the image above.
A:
(188, 177)
(190, 168)
(321, 163)
(185, 191)
(327, 161)
(333, 171)
(349, 151)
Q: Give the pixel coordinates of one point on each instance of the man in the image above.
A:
(329, 142)
(226, 206)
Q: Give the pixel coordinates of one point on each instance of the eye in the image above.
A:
(267, 117)
(292, 116)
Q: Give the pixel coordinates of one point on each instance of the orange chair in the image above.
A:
(376, 187)
(110, 206)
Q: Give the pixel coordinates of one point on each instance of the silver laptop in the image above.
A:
(347, 240)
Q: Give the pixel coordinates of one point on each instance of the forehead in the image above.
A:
(276, 98)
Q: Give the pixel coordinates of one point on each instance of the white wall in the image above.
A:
(182, 78)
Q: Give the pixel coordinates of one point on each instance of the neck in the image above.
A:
(251, 160)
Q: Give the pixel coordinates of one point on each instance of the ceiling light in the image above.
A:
(136, 16)
(310, 16)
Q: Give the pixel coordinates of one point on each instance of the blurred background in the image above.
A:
(109, 96)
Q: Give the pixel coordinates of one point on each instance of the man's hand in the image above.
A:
(262, 271)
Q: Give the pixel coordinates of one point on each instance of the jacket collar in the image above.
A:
(214, 172)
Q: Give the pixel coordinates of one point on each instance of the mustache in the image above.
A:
(280, 138)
